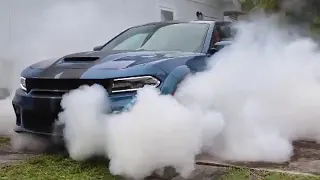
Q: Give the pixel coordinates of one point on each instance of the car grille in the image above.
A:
(39, 122)
(58, 87)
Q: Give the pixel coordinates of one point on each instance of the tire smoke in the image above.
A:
(85, 130)
(148, 137)
(43, 30)
(256, 97)
(266, 86)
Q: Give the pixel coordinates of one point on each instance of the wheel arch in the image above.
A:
(172, 81)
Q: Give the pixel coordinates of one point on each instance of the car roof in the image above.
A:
(180, 22)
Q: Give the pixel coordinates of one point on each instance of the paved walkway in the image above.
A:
(7, 156)
(306, 159)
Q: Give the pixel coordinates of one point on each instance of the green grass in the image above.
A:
(57, 167)
(4, 140)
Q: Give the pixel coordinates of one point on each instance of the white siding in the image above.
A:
(231, 5)
(17, 16)
(186, 9)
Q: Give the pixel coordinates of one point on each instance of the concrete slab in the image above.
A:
(306, 159)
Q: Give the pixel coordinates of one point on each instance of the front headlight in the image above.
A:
(23, 83)
(133, 83)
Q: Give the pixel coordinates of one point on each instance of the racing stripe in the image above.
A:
(50, 72)
(73, 71)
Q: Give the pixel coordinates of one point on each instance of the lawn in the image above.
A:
(55, 167)
(4, 140)
(58, 167)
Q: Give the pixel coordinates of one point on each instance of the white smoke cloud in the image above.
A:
(41, 30)
(6, 116)
(155, 135)
(256, 97)
(266, 87)
(147, 138)
(85, 131)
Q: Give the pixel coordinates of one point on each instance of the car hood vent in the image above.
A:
(80, 59)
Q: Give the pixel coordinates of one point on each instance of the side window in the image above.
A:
(166, 15)
(222, 31)
(132, 43)
(226, 32)
(215, 37)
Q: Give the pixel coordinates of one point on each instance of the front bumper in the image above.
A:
(37, 114)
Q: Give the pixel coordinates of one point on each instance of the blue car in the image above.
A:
(158, 54)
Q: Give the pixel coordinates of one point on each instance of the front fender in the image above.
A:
(173, 79)
(169, 85)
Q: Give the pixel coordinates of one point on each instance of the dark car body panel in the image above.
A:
(37, 108)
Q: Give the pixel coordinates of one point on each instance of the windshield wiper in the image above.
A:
(141, 49)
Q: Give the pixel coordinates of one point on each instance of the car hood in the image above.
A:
(114, 63)
(109, 60)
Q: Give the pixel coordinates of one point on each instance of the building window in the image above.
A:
(167, 15)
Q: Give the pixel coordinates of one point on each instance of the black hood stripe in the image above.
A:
(57, 72)
(72, 73)
(51, 72)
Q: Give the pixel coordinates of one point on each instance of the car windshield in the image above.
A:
(185, 37)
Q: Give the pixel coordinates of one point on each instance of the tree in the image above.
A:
(268, 5)
(296, 11)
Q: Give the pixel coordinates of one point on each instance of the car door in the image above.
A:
(221, 34)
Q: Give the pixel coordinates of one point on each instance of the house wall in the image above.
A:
(231, 5)
(186, 9)
(17, 16)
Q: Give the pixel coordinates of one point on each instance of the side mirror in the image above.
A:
(218, 46)
(97, 48)
(213, 50)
